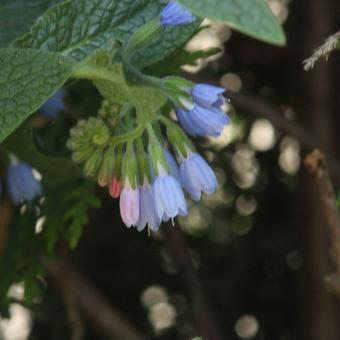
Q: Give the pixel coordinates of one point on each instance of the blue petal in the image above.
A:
(187, 123)
(197, 176)
(208, 95)
(53, 106)
(174, 169)
(21, 184)
(189, 179)
(169, 197)
(175, 14)
(12, 187)
(210, 121)
(147, 210)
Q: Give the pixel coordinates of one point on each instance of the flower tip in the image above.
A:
(175, 14)
(129, 206)
(115, 188)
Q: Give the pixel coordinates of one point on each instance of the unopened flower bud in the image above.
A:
(144, 36)
(107, 167)
(115, 187)
(92, 165)
(130, 168)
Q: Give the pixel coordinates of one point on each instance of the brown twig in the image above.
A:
(202, 311)
(103, 316)
(316, 163)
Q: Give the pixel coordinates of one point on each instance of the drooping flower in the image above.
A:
(197, 176)
(208, 96)
(129, 205)
(169, 197)
(175, 14)
(21, 183)
(199, 108)
(147, 211)
(54, 105)
(200, 121)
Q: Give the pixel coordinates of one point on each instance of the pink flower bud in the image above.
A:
(115, 187)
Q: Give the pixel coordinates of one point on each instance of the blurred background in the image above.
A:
(248, 262)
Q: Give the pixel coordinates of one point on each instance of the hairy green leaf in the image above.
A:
(82, 26)
(252, 17)
(27, 79)
(17, 17)
(54, 170)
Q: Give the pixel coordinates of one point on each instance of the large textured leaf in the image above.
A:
(252, 17)
(54, 170)
(27, 79)
(17, 17)
(82, 26)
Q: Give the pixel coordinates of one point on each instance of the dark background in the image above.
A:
(269, 264)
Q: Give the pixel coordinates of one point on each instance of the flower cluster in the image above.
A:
(149, 172)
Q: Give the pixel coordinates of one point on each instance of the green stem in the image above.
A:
(126, 137)
(142, 78)
(134, 134)
(92, 72)
(168, 122)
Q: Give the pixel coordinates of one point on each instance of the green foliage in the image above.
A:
(63, 216)
(28, 78)
(252, 17)
(21, 260)
(17, 16)
(76, 32)
(66, 209)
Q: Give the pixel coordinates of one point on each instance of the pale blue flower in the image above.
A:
(21, 184)
(197, 176)
(169, 197)
(200, 121)
(174, 14)
(208, 96)
(147, 213)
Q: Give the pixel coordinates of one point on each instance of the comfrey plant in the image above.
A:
(129, 118)
(147, 171)
(133, 145)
